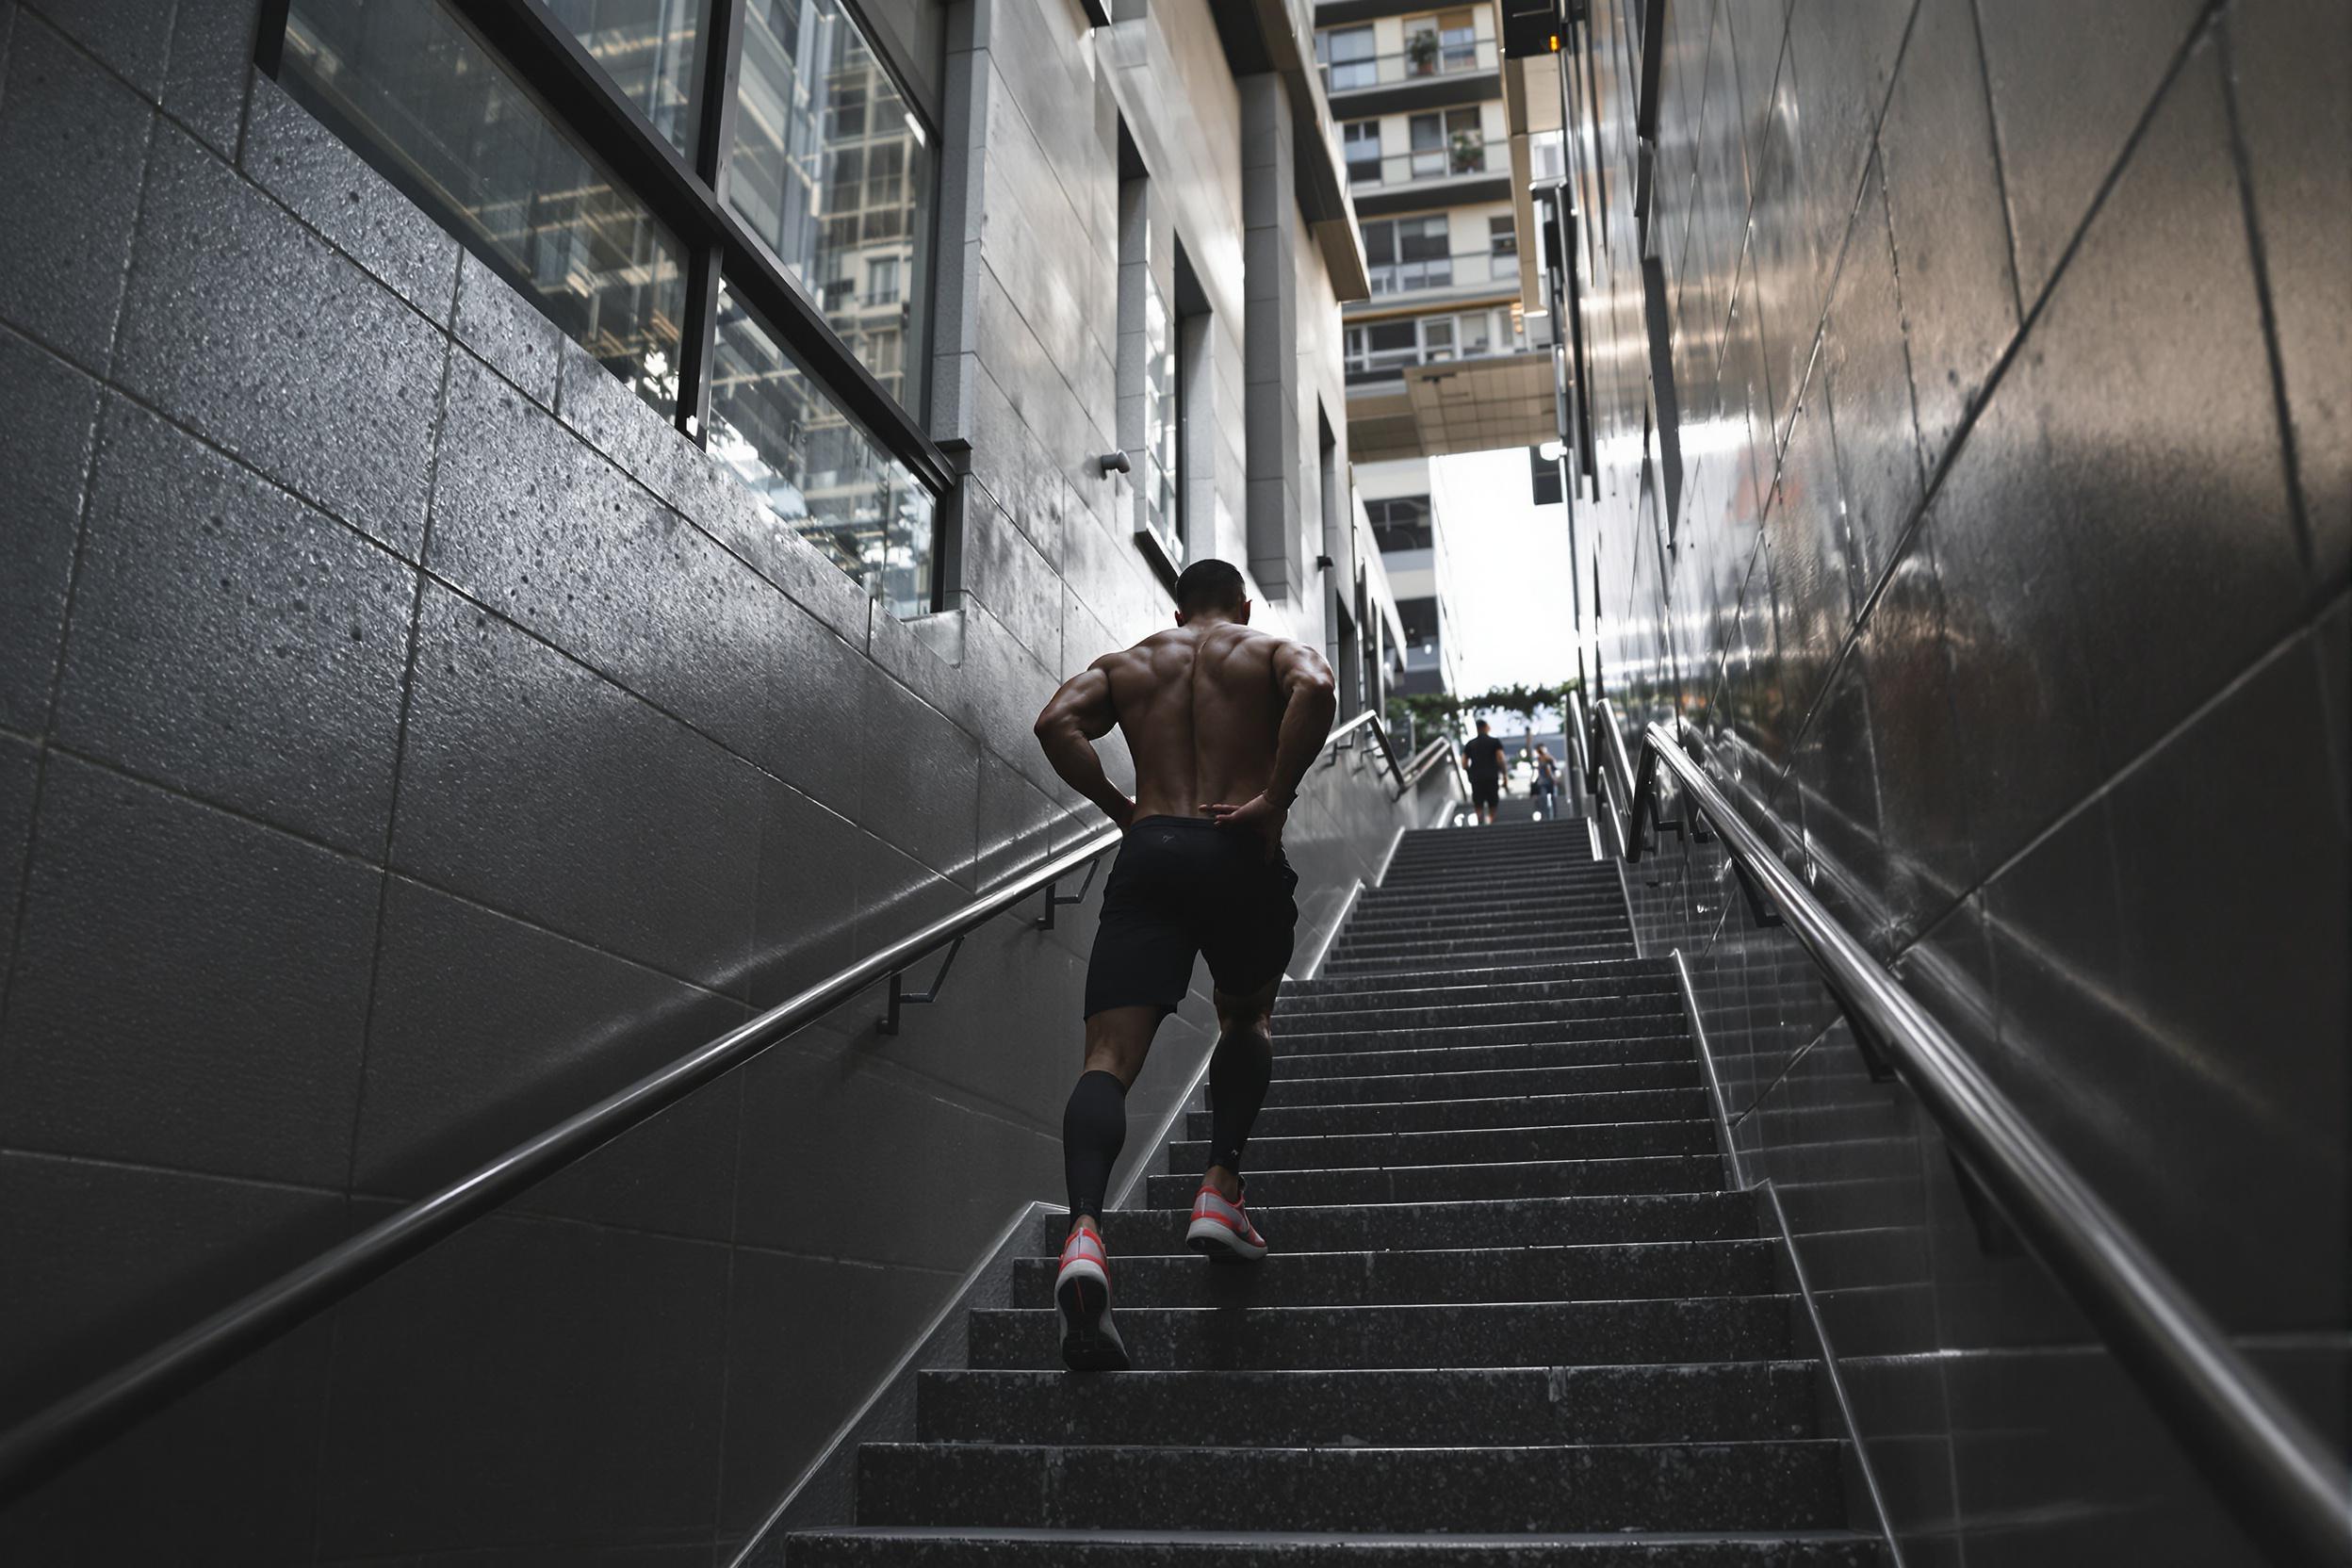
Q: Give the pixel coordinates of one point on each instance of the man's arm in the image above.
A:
(1311, 698)
(1078, 714)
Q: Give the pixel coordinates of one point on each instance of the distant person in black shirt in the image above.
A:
(1482, 758)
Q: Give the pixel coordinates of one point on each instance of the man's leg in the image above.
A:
(1094, 1124)
(1239, 1070)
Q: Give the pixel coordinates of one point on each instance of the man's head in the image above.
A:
(1483, 727)
(1211, 588)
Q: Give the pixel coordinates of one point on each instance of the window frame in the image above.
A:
(688, 197)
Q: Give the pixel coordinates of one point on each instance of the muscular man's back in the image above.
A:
(1222, 723)
(1201, 708)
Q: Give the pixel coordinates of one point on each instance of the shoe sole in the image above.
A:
(1089, 1342)
(1219, 1244)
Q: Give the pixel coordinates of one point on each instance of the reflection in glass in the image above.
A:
(1160, 420)
(830, 169)
(652, 51)
(773, 426)
(422, 99)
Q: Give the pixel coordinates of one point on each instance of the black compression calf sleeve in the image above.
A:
(1239, 1070)
(1094, 1127)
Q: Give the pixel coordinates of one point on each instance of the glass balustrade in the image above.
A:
(1441, 59)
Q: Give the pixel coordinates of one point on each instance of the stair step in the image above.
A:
(1775, 1484)
(1432, 991)
(1621, 1271)
(1509, 1221)
(1411, 916)
(1721, 1401)
(1271, 1156)
(1317, 1094)
(1619, 1334)
(1363, 925)
(1598, 882)
(1506, 1053)
(1464, 1114)
(1599, 972)
(1389, 957)
(1692, 1172)
(1475, 1009)
(1474, 942)
(1353, 967)
(910, 1547)
(1291, 1044)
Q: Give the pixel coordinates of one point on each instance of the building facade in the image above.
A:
(536, 531)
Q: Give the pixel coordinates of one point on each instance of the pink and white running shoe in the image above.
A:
(1219, 1231)
(1082, 1293)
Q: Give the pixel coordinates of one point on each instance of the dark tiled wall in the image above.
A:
(405, 739)
(2013, 349)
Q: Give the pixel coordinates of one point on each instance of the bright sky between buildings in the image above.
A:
(1511, 572)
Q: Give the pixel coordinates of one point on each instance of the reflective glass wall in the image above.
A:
(831, 170)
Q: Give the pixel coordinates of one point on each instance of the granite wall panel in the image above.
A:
(1999, 616)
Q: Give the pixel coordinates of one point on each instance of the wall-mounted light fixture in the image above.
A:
(1115, 463)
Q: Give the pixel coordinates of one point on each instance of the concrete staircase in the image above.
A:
(1512, 1316)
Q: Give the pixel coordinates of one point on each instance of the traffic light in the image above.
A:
(1534, 28)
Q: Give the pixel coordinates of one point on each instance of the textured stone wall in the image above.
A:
(406, 738)
(2009, 585)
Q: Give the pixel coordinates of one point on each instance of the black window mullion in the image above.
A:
(721, 63)
(551, 60)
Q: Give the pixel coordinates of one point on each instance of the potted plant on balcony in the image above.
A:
(1467, 152)
(1421, 54)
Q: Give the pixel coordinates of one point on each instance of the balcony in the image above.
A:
(1465, 157)
(1465, 269)
(1373, 365)
(1436, 62)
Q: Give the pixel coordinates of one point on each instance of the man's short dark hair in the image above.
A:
(1209, 584)
(1482, 726)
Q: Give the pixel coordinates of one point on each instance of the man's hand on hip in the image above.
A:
(1258, 814)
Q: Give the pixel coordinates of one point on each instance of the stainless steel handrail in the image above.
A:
(2288, 1489)
(51, 1439)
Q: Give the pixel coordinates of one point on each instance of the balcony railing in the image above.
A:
(1462, 157)
(1382, 364)
(1459, 270)
(1413, 65)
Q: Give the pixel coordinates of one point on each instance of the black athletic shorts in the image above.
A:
(1181, 887)
(1486, 791)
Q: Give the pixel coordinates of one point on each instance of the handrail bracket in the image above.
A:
(901, 997)
(1055, 899)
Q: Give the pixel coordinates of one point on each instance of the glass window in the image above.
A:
(1428, 136)
(1162, 389)
(1437, 338)
(1465, 142)
(425, 103)
(1400, 522)
(1347, 58)
(1502, 235)
(652, 49)
(773, 425)
(1457, 36)
(831, 170)
(1408, 253)
(1360, 142)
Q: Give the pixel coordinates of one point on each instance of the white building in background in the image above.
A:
(1405, 514)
